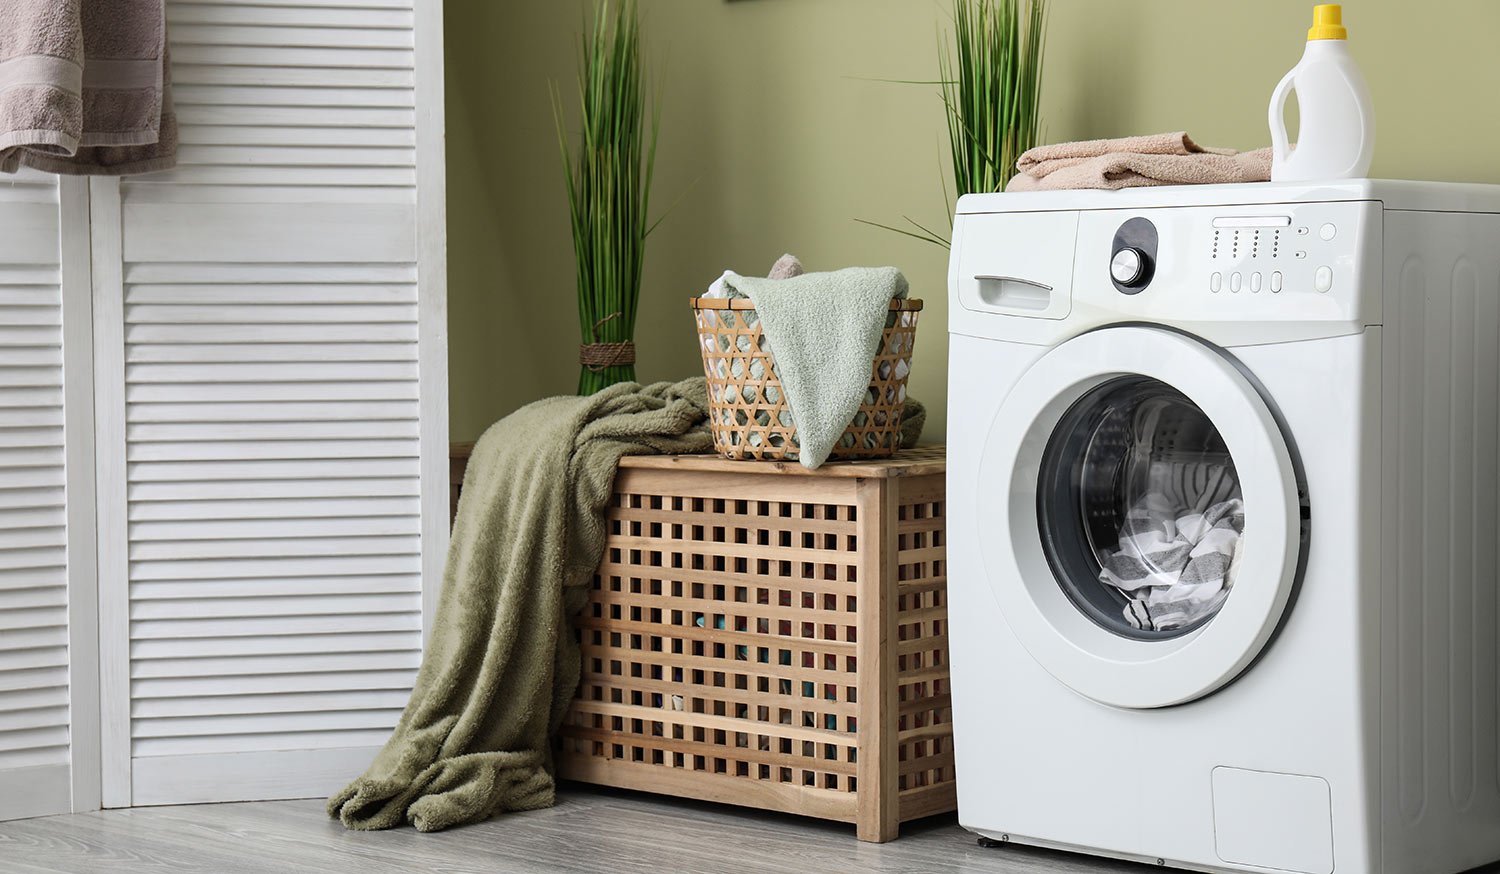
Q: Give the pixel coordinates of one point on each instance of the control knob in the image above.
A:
(1128, 267)
(1133, 254)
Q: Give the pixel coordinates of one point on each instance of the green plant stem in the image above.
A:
(590, 381)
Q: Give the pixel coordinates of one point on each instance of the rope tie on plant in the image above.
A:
(597, 356)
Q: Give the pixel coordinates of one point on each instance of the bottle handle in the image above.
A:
(1280, 149)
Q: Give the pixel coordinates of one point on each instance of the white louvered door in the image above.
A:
(48, 740)
(272, 403)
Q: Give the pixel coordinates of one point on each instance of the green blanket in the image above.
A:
(502, 665)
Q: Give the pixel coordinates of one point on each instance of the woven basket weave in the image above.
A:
(748, 410)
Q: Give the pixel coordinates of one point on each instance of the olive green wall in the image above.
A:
(776, 137)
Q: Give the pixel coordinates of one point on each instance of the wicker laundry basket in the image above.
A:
(748, 410)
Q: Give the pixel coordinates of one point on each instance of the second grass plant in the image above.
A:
(992, 89)
(990, 81)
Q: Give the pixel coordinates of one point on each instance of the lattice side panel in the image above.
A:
(924, 720)
(719, 637)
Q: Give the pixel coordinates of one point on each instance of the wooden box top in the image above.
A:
(920, 461)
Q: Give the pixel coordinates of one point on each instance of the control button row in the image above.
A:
(1237, 282)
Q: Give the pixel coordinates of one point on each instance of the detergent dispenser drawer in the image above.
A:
(1017, 264)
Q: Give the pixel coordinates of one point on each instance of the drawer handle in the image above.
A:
(1014, 293)
(986, 277)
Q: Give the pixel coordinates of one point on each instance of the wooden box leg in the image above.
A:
(877, 794)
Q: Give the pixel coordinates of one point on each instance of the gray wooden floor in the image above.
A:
(588, 831)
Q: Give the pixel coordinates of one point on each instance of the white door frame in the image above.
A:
(76, 259)
(109, 438)
(432, 301)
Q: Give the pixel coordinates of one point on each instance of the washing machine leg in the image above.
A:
(990, 843)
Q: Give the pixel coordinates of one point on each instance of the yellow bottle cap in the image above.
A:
(1328, 22)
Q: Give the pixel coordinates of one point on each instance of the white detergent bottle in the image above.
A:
(1337, 130)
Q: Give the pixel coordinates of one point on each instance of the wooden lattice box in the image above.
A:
(763, 635)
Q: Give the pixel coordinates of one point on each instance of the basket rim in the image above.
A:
(719, 303)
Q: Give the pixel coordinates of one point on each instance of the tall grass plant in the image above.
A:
(609, 187)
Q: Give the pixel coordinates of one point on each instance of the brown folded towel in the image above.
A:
(85, 87)
(1132, 162)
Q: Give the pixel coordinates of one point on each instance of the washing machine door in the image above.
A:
(1140, 517)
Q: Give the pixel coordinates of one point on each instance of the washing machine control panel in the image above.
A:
(1308, 261)
(1313, 269)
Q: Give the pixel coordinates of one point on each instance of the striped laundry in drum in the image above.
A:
(1175, 565)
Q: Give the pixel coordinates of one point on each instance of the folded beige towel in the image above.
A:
(1132, 162)
(85, 87)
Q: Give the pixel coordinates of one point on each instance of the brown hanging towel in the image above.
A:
(85, 87)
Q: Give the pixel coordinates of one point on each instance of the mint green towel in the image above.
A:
(824, 329)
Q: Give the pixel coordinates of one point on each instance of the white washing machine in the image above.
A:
(1223, 524)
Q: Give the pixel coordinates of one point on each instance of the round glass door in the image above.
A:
(1140, 509)
(1147, 517)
